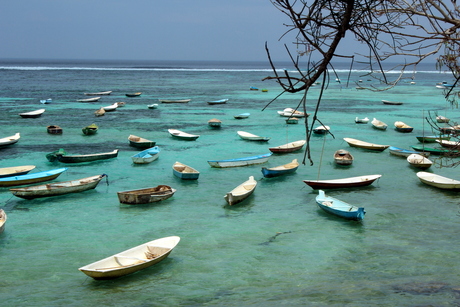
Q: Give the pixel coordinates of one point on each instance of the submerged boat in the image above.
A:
(146, 195)
(284, 169)
(241, 192)
(185, 172)
(339, 208)
(31, 178)
(351, 182)
(259, 159)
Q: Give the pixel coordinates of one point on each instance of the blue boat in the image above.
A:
(240, 161)
(288, 168)
(185, 172)
(339, 208)
(242, 115)
(146, 156)
(31, 178)
(401, 152)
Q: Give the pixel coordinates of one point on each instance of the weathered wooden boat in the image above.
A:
(131, 260)
(92, 99)
(62, 156)
(99, 93)
(45, 101)
(442, 119)
(15, 170)
(185, 172)
(10, 140)
(152, 106)
(183, 135)
(365, 145)
(174, 100)
(215, 123)
(99, 112)
(343, 157)
(146, 156)
(401, 152)
(321, 129)
(252, 137)
(339, 208)
(220, 101)
(58, 188)
(289, 147)
(259, 159)
(32, 114)
(351, 182)
(90, 130)
(3, 218)
(111, 108)
(438, 181)
(137, 94)
(378, 124)
(146, 195)
(54, 129)
(361, 120)
(403, 127)
(241, 192)
(436, 151)
(419, 161)
(138, 142)
(120, 104)
(284, 169)
(31, 178)
(290, 112)
(242, 116)
(449, 144)
(392, 102)
(433, 138)
(292, 120)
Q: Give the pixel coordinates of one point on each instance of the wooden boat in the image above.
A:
(220, 101)
(240, 161)
(45, 101)
(241, 192)
(174, 100)
(351, 182)
(90, 130)
(3, 219)
(10, 140)
(361, 120)
(131, 260)
(449, 144)
(32, 114)
(438, 181)
(99, 112)
(242, 116)
(138, 142)
(252, 137)
(58, 188)
(215, 123)
(31, 178)
(436, 151)
(146, 156)
(442, 119)
(321, 129)
(365, 145)
(343, 157)
(401, 152)
(339, 208)
(183, 135)
(99, 93)
(433, 138)
(61, 156)
(54, 129)
(402, 127)
(392, 102)
(289, 147)
(111, 108)
(15, 170)
(185, 172)
(378, 124)
(134, 94)
(290, 112)
(146, 195)
(284, 169)
(92, 99)
(419, 161)
(152, 106)
(292, 120)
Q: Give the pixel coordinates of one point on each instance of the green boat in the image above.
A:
(435, 151)
(433, 138)
(89, 130)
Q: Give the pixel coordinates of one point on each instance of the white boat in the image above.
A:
(442, 119)
(32, 114)
(290, 112)
(419, 161)
(99, 93)
(252, 137)
(361, 120)
(92, 99)
(146, 156)
(183, 135)
(131, 260)
(242, 116)
(289, 147)
(111, 107)
(365, 145)
(215, 123)
(220, 101)
(392, 102)
(259, 159)
(15, 170)
(378, 124)
(321, 129)
(152, 106)
(3, 219)
(9, 140)
(241, 192)
(438, 181)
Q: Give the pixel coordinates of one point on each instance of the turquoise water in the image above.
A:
(276, 248)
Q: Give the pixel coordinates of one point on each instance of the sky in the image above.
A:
(216, 30)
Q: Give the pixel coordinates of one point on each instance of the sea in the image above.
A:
(277, 248)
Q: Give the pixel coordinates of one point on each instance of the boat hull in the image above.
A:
(339, 208)
(240, 161)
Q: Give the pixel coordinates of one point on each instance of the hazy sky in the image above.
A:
(141, 29)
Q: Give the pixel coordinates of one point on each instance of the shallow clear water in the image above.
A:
(276, 248)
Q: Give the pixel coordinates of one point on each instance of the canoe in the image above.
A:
(99, 93)
(240, 161)
(392, 102)
(220, 101)
(10, 140)
(361, 120)
(31, 178)
(241, 192)
(442, 119)
(146, 195)
(32, 114)
(54, 129)
(433, 138)
(111, 108)
(139, 142)
(290, 112)
(174, 100)
(183, 135)
(146, 156)
(92, 99)
(15, 170)
(284, 169)
(90, 130)
(58, 188)
(403, 127)
(242, 116)
(321, 129)
(252, 137)
(185, 172)
(401, 152)
(436, 151)
(365, 145)
(419, 161)
(99, 112)
(289, 147)
(133, 94)
(343, 157)
(131, 260)
(351, 182)
(61, 156)
(3, 219)
(292, 120)
(378, 124)
(215, 123)
(152, 106)
(438, 181)
(449, 144)
(339, 208)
